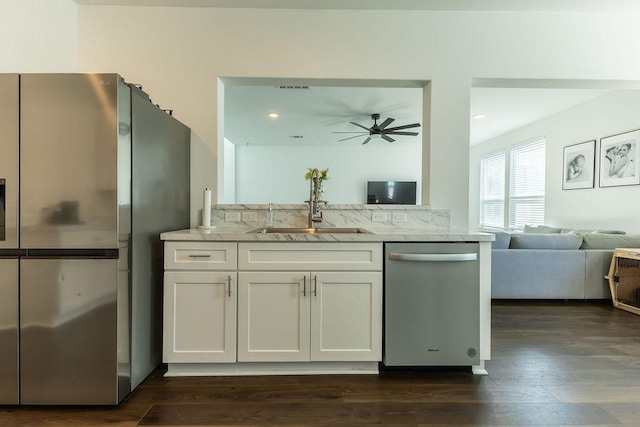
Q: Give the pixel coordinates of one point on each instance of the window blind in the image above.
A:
(492, 189)
(526, 185)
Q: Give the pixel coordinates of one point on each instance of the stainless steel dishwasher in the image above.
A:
(431, 304)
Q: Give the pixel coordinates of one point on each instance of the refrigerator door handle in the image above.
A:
(73, 253)
(12, 253)
(395, 256)
(3, 209)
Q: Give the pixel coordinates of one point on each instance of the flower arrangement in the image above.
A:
(324, 174)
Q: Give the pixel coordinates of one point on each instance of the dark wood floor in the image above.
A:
(553, 364)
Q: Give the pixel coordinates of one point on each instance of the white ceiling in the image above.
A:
(314, 114)
(311, 116)
(470, 5)
(506, 109)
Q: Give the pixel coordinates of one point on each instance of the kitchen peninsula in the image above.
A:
(242, 299)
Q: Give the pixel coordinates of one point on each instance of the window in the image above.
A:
(525, 181)
(492, 175)
(526, 185)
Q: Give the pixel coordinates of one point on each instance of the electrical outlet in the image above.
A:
(249, 216)
(378, 216)
(399, 217)
(232, 216)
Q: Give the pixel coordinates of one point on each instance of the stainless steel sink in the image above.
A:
(294, 230)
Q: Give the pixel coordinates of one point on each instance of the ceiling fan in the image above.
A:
(381, 130)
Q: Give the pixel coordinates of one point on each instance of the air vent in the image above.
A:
(293, 87)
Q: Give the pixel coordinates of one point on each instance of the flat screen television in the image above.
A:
(391, 192)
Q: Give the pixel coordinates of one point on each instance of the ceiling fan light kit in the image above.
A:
(381, 130)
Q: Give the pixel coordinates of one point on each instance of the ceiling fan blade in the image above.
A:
(367, 140)
(386, 123)
(351, 137)
(359, 125)
(413, 125)
(402, 133)
(386, 138)
(360, 132)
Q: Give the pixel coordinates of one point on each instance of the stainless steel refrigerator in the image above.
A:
(91, 172)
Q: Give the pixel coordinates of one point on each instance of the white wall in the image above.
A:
(38, 36)
(596, 208)
(179, 53)
(276, 174)
(229, 173)
(203, 169)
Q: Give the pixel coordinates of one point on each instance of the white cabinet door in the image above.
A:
(346, 316)
(199, 316)
(273, 316)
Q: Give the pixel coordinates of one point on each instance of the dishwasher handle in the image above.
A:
(394, 256)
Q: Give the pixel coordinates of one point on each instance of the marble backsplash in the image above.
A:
(296, 215)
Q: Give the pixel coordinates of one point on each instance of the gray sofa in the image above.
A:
(563, 264)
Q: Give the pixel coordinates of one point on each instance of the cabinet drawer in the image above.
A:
(200, 256)
(310, 256)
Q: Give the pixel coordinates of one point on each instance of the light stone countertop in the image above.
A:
(372, 235)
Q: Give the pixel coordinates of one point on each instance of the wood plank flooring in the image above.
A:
(553, 364)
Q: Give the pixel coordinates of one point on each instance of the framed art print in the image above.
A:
(619, 159)
(579, 162)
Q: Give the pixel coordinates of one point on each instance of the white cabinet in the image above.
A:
(200, 306)
(297, 315)
(273, 317)
(236, 308)
(346, 316)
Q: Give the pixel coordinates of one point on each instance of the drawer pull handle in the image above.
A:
(199, 256)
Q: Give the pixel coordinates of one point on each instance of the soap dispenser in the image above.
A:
(269, 218)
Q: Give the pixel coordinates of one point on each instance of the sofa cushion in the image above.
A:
(502, 240)
(540, 229)
(610, 241)
(545, 241)
(583, 232)
(537, 274)
(612, 232)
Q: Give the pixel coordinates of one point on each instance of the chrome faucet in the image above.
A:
(314, 195)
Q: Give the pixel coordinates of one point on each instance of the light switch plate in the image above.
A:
(232, 216)
(249, 216)
(399, 217)
(378, 216)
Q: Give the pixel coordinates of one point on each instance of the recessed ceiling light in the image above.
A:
(273, 115)
(478, 116)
